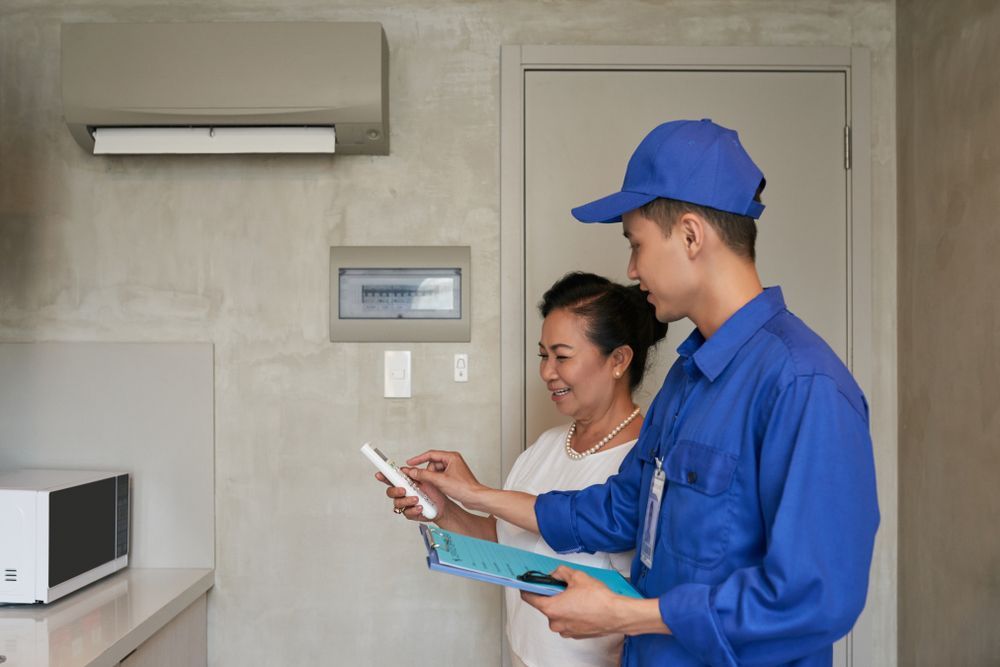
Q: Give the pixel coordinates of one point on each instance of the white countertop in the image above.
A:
(101, 624)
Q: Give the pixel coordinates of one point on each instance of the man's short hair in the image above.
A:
(738, 232)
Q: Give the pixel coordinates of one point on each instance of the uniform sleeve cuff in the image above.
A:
(687, 611)
(554, 513)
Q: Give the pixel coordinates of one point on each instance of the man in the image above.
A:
(750, 496)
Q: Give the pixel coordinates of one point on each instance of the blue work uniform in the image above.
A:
(768, 518)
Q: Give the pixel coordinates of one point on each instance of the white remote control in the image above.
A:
(388, 468)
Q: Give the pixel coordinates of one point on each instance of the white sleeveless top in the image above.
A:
(545, 467)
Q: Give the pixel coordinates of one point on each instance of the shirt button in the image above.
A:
(692, 477)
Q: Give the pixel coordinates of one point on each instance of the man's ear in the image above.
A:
(691, 229)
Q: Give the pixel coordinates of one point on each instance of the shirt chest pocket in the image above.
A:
(697, 513)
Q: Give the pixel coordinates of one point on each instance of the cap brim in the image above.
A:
(611, 208)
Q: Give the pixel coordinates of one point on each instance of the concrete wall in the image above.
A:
(949, 332)
(234, 251)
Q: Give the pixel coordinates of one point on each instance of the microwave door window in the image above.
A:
(81, 529)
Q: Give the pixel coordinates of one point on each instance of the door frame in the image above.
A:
(517, 60)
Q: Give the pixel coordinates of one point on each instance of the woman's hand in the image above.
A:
(410, 505)
(448, 473)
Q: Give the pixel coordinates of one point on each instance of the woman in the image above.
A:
(596, 335)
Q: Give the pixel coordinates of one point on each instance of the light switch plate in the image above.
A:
(397, 374)
(461, 367)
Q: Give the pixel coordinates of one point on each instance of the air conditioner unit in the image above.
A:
(314, 87)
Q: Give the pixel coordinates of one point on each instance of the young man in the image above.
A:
(750, 497)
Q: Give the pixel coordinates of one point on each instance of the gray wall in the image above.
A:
(234, 251)
(949, 332)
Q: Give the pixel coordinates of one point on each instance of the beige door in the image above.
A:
(571, 117)
(580, 126)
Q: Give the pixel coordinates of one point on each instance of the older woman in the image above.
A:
(593, 349)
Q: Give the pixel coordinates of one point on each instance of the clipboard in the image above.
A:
(482, 560)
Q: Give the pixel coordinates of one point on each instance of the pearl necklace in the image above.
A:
(576, 456)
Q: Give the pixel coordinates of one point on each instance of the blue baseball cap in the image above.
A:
(695, 161)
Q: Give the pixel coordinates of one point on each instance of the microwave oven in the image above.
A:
(60, 530)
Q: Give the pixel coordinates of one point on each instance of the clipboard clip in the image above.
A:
(536, 577)
(445, 541)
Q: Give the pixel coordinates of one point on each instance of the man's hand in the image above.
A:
(449, 473)
(584, 609)
(588, 608)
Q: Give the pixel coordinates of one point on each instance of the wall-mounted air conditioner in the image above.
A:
(314, 87)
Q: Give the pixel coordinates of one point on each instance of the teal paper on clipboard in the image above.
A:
(494, 563)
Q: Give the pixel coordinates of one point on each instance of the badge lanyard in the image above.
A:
(652, 515)
(656, 485)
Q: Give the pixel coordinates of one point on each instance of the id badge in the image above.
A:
(652, 515)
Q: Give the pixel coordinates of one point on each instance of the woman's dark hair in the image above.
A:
(616, 315)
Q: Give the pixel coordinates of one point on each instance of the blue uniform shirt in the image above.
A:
(769, 514)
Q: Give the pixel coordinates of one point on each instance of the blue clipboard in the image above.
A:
(482, 560)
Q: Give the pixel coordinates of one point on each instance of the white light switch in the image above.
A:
(397, 374)
(461, 368)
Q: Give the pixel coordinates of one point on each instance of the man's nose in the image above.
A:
(632, 273)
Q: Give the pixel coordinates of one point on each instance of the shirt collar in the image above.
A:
(713, 355)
